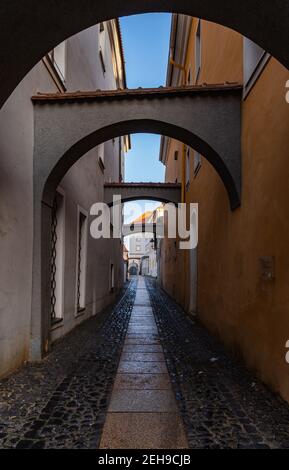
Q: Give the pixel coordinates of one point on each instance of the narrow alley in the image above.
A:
(144, 358)
(144, 226)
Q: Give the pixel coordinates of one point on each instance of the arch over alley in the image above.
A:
(207, 118)
(162, 192)
(22, 25)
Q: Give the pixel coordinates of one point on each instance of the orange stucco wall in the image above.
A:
(249, 314)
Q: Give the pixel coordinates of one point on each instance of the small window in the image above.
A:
(81, 264)
(58, 58)
(255, 58)
(189, 78)
(188, 167)
(176, 155)
(101, 58)
(197, 162)
(102, 47)
(101, 157)
(101, 27)
(198, 52)
(138, 248)
(112, 280)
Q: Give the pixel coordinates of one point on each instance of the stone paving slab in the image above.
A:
(143, 431)
(142, 357)
(142, 348)
(142, 329)
(143, 401)
(143, 304)
(150, 323)
(138, 319)
(142, 382)
(142, 318)
(139, 310)
(142, 368)
(141, 340)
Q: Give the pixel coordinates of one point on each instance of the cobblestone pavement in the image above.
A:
(222, 404)
(62, 401)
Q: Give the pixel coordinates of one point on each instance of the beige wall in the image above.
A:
(250, 315)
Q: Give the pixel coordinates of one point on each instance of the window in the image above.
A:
(255, 59)
(58, 58)
(197, 162)
(176, 155)
(101, 58)
(112, 280)
(102, 45)
(57, 258)
(188, 168)
(138, 248)
(198, 52)
(100, 153)
(120, 161)
(81, 258)
(189, 77)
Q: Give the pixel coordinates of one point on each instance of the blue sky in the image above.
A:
(146, 49)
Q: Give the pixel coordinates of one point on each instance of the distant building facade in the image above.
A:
(144, 247)
(137, 250)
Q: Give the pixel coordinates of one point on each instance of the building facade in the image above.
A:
(86, 274)
(136, 252)
(153, 244)
(143, 247)
(136, 244)
(236, 281)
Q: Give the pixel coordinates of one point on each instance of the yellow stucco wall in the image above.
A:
(249, 314)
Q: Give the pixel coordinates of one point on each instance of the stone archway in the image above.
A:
(129, 192)
(67, 126)
(133, 269)
(32, 28)
(206, 118)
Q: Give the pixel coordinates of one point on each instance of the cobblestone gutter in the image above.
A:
(222, 404)
(62, 401)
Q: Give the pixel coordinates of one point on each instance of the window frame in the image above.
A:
(197, 162)
(260, 65)
(83, 273)
(111, 277)
(198, 51)
(101, 156)
(60, 268)
(101, 46)
(188, 168)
